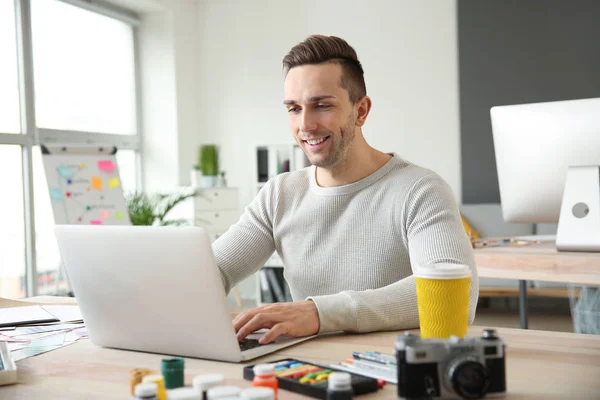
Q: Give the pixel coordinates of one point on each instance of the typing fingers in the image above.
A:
(258, 321)
(242, 318)
(273, 333)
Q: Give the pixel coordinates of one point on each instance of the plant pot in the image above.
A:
(208, 181)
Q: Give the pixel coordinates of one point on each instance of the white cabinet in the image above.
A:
(216, 209)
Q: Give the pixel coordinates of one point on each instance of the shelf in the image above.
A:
(274, 159)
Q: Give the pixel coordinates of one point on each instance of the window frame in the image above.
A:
(32, 136)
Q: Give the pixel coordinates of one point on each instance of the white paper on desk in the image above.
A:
(6, 338)
(16, 346)
(65, 313)
(40, 346)
(23, 315)
(42, 328)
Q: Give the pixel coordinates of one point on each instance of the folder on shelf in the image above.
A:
(275, 285)
(265, 290)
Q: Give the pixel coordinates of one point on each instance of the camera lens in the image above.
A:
(470, 379)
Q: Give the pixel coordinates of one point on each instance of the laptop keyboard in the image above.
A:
(248, 344)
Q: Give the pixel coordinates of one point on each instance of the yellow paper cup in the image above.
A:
(443, 299)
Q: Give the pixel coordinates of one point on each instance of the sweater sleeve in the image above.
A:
(247, 245)
(429, 222)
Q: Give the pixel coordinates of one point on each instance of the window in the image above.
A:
(83, 69)
(9, 84)
(12, 254)
(85, 94)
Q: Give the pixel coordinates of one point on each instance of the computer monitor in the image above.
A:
(535, 146)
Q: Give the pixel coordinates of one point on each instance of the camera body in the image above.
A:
(453, 368)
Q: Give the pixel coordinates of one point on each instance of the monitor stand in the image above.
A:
(579, 222)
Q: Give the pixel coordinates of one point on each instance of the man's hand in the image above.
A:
(293, 319)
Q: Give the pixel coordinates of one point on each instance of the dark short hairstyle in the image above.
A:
(318, 49)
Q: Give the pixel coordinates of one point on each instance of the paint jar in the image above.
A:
(339, 386)
(223, 392)
(135, 377)
(206, 381)
(161, 393)
(184, 393)
(257, 393)
(172, 371)
(264, 376)
(145, 391)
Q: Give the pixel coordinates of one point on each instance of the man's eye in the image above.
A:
(323, 106)
(293, 109)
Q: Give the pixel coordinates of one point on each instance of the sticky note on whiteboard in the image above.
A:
(106, 165)
(113, 182)
(65, 171)
(96, 182)
(56, 194)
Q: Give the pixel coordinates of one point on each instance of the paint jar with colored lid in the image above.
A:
(264, 376)
(172, 370)
(136, 375)
(223, 392)
(161, 393)
(204, 382)
(339, 386)
(184, 393)
(145, 391)
(258, 393)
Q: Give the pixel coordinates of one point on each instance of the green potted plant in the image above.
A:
(205, 173)
(209, 165)
(152, 209)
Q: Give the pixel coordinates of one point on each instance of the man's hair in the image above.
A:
(318, 49)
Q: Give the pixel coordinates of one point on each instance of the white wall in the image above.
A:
(168, 36)
(408, 50)
(159, 101)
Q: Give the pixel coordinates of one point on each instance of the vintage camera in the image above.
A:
(453, 368)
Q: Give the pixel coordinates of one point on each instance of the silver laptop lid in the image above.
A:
(154, 289)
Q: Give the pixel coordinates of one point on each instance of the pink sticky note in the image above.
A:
(103, 214)
(106, 165)
(96, 222)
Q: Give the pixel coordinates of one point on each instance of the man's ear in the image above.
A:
(363, 107)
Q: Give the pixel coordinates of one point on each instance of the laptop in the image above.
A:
(154, 289)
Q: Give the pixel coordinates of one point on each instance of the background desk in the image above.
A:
(537, 262)
(540, 365)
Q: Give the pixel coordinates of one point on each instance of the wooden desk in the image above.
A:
(540, 365)
(537, 262)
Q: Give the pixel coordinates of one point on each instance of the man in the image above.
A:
(351, 228)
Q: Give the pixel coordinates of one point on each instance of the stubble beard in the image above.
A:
(340, 144)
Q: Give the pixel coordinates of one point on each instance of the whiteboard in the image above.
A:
(84, 186)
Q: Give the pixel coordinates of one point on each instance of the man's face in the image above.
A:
(320, 113)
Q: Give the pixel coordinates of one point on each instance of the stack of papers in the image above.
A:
(29, 315)
(28, 341)
(25, 315)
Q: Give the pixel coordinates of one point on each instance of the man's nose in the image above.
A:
(307, 122)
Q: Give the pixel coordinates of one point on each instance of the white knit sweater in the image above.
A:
(351, 249)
